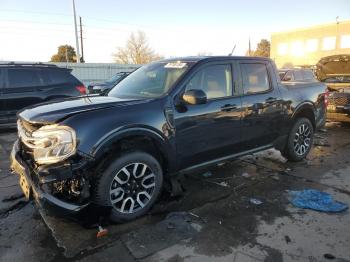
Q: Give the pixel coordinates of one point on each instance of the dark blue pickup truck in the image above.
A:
(168, 117)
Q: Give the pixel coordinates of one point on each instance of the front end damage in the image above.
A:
(338, 108)
(335, 72)
(64, 185)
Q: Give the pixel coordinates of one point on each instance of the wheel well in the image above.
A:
(307, 113)
(134, 143)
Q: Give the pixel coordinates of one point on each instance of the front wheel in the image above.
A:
(300, 140)
(130, 185)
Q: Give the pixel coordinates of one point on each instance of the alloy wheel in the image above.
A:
(132, 188)
(302, 140)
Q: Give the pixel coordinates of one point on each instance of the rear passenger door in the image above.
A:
(262, 104)
(21, 90)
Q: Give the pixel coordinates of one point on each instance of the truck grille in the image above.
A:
(339, 99)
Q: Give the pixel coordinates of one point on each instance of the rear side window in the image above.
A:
(308, 75)
(298, 74)
(23, 78)
(56, 77)
(255, 78)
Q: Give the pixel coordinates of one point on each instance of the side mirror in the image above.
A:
(194, 97)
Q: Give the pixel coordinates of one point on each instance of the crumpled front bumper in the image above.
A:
(35, 187)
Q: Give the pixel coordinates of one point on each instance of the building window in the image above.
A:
(282, 49)
(345, 41)
(297, 48)
(329, 43)
(311, 45)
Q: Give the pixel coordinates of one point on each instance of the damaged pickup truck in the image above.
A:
(334, 71)
(168, 117)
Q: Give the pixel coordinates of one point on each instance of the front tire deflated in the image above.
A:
(130, 184)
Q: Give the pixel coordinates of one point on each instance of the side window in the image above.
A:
(255, 78)
(308, 75)
(1, 78)
(56, 77)
(23, 78)
(298, 75)
(289, 76)
(214, 80)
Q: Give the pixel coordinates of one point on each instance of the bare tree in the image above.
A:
(136, 51)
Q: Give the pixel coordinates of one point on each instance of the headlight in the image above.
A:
(53, 143)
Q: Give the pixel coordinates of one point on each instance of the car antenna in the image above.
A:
(233, 49)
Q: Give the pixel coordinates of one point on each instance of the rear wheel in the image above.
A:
(300, 140)
(130, 184)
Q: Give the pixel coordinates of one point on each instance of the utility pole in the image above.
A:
(76, 34)
(81, 41)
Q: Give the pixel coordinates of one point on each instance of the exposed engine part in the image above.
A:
(76, 189)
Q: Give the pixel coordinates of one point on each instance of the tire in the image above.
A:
(300, 140)
(130, 184)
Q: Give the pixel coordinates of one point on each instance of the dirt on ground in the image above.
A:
(236, 211)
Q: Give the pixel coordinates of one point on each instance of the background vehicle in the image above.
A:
(168, 117)
(22, 85)
(104, 87)
(335, 72)
(298, 75)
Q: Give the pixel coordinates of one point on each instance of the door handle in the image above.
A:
(228, 107)
(271, 100)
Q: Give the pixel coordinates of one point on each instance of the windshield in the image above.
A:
(150, 81)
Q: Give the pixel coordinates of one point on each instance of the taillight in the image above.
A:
(326, 95)
(81, 89)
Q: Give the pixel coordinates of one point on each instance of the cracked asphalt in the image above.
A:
(236, 211)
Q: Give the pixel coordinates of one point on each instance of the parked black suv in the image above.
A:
(166, 118)
(22, 85)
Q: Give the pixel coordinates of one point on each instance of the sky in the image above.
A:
(31, 30)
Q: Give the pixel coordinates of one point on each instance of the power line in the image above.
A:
(89, 18)
(33, 12)
(33, 22)
(25, 29)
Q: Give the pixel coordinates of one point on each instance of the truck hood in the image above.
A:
(57, 110)
(333, 66)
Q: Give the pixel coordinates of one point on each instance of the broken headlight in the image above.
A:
(53, 143)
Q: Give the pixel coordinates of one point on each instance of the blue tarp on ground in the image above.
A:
(316, 200)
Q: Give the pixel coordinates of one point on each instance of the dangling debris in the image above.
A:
(101, 232)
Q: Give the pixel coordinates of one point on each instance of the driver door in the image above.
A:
(206, 132)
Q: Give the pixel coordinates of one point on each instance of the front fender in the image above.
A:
(163, 143)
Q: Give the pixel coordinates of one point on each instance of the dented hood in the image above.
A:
(333, 66)
(57, 110)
